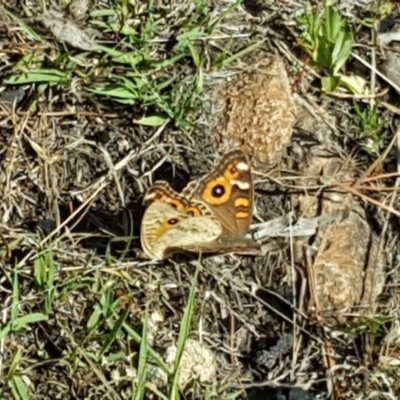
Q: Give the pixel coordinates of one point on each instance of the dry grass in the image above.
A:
(88, 122)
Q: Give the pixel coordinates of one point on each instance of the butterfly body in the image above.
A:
(210, 215)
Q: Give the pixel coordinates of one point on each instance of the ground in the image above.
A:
(99, 100)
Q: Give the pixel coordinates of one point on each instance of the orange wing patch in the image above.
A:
(161, 194)
(242, 215)
(231, 172)
(242, 202)
(217, 191)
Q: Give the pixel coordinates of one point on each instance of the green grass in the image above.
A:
(106, 324)
(133, 71)
(328, 39)
(372, 128)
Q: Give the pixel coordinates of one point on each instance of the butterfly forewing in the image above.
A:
(228, 192)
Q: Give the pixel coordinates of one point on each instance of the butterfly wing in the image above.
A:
(165, 230)
(161, 191)
(228, 244)
(228, 192)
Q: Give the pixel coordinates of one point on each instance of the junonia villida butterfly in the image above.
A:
(210, 215)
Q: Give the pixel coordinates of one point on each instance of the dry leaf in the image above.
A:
(78, 8)
(391, 67)
(257, 112)
(67, 31)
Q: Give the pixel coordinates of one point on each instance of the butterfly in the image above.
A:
(210, 215)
